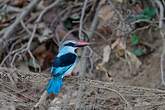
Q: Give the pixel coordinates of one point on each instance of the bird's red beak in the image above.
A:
(82, 44)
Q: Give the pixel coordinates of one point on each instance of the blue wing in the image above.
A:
(63, 64)
(60, 70)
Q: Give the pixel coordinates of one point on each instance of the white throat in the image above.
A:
(67, 49)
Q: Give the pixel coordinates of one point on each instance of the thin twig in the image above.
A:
(163, 39)
(47, 9)
(31, 38)
(26, 29)
(128, 106)
(82, 61)
(162, 60)
(34, 32)
(161, 13)
(42, 100)
(44, 95)
(94, 22)
(34, 61)
(12, 27)
(82, 17)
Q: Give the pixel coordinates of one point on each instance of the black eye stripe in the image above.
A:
(70, 44)
(75, 50)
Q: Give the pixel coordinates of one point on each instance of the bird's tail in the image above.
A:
(54, 85)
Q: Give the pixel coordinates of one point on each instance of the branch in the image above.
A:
(161, 13)
(12, 27)
(82, 17)
(163, 39)
(27, 49)
(95, 22)
(162, 60)
(45, 94)
(42, 100)
(83, 59)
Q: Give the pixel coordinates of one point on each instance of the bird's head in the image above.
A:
(71, 46)
(75, 44)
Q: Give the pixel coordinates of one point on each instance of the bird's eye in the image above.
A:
(75, 50)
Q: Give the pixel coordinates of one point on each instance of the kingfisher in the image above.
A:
(63, 64)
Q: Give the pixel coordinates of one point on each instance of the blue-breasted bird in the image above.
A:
(63, 64)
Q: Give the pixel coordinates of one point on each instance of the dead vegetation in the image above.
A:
(123, 69)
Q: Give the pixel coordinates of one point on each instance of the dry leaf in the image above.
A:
(46, 34)
(120, 52)
(134, 59)
(48, 57)
(137, 8)
(39, 50)
(4, 19)
(60, 30)
(115, 43)
(121, 1)
(106, 13)
(120, 47)
(105, 30)
(43, 56)
(119, 44)
(18, 3)
(106, 54)
(102, 2)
